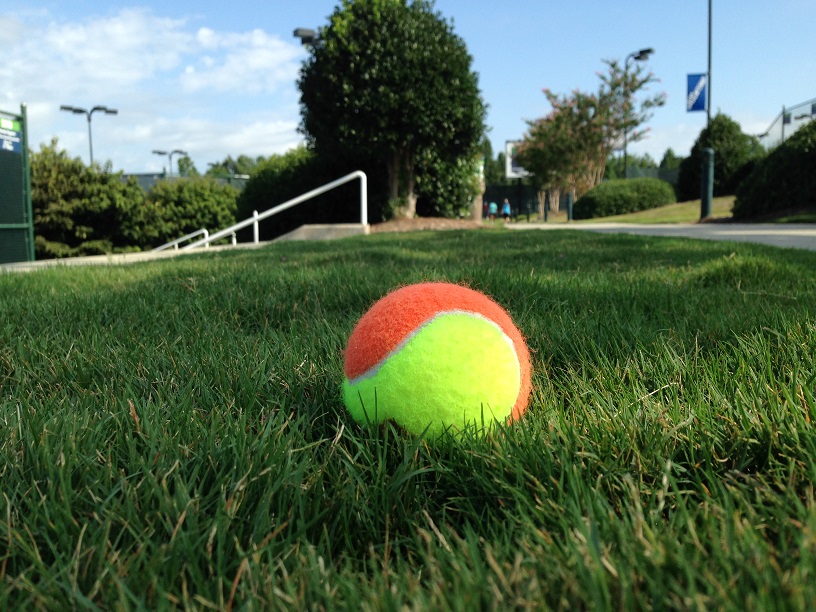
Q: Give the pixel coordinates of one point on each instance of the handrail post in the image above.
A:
(255, 229)
(363, 199)
(207, 235)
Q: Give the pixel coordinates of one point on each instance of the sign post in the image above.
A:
(16, 216)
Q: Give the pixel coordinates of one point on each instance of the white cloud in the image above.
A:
(175, 85)
(253, 62)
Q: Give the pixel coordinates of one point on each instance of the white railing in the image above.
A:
(257, 217)
(175, 243)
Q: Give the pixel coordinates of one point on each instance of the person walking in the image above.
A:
(506, 210)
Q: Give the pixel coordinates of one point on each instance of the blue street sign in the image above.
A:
(697, 92)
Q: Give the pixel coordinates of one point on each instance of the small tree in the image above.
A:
(186, 167)
(568, 148)
(670, 160)
(732, 151)
(388, 80)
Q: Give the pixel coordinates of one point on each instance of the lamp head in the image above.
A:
(306, 36)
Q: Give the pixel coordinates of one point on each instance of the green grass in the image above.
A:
(681, 212)
(803, 217)
(173, 434)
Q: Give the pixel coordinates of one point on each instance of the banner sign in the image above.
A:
(511, 168)
(11, 135)
(697, 92)
(16, 218)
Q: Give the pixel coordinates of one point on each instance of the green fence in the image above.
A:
(16, 218)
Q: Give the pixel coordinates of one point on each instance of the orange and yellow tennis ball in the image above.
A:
(436, 356)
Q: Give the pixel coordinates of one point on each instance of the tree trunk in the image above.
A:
(542, 202)
(393, 176)
(410, 185)
(555, 200)
(477, 203)
(401, 167)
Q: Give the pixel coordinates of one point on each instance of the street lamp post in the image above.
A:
(638, 56)
(88, 113)
(169, 155)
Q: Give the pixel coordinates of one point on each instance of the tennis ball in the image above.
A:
(436, 356)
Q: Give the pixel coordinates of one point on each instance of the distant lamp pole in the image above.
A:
(306, 36)
(169, 155)
(638, 56)
(88, 113)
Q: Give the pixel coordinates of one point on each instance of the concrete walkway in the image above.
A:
(791, 236)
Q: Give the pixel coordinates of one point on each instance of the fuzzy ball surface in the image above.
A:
(436, 356)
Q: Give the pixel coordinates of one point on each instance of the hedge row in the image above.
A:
(621, 196)
(81, 210)
(785, 180)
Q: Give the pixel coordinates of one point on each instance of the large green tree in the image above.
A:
(388, 80)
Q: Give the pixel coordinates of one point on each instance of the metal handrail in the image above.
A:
(256, 217)
(175, 243)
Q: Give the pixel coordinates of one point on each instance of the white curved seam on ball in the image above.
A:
(374, 370)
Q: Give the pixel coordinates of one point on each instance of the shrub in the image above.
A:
(80, 210)
(618, 197)
(783, 181)
(178, 207)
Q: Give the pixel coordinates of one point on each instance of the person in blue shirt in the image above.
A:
(493, 210)
(506, 210)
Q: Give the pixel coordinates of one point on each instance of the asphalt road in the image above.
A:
(789, 236)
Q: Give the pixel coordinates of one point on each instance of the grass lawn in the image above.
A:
(681, 212)
(173, 433)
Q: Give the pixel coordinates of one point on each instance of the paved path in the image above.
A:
(792, 236)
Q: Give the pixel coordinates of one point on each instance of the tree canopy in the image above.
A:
(390, 80)
(244, 164)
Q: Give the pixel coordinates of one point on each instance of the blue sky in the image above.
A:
(218, 79)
